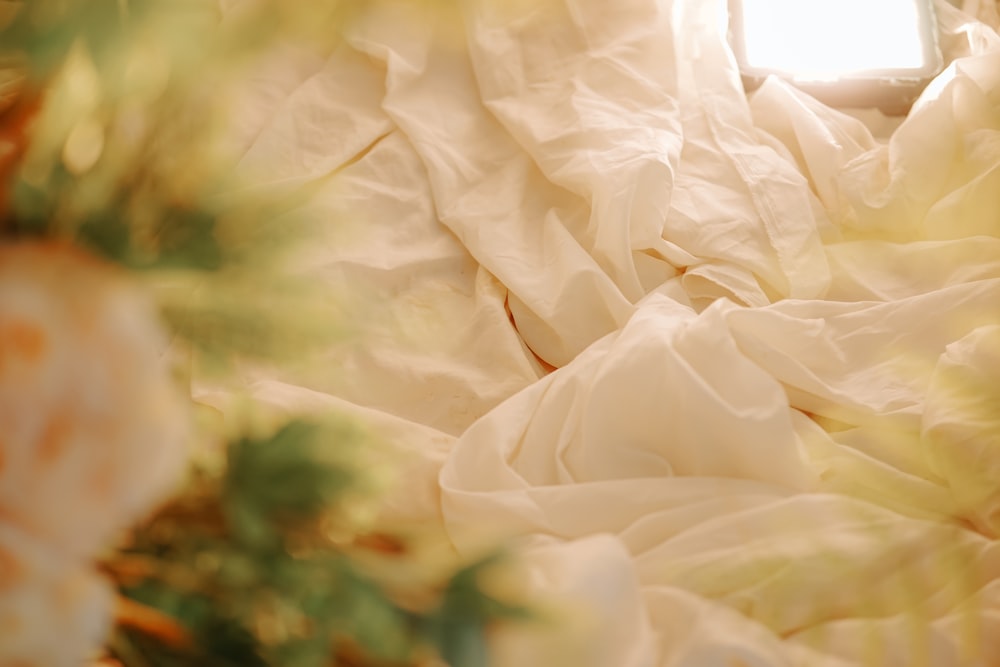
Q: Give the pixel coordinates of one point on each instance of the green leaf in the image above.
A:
(463, 644)
(108, 235)
(249, 526)
(227, 639)
(313, 652)
(282, 477)
(186, 240)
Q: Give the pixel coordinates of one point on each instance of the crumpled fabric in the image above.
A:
(722, 368)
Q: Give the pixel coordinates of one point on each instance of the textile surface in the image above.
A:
(726, 369)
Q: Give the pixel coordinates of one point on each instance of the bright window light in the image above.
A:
(829, 39)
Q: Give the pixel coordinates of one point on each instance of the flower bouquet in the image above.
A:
(132, 530)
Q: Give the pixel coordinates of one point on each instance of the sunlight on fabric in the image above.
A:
(824, 40)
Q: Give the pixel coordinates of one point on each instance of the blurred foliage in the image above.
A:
(248, 565)
(114, 115)
(113, 128)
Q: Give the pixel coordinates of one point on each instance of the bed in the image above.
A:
(724, 371)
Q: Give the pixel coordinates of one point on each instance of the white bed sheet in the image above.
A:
(728, 371)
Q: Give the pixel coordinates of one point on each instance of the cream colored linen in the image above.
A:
(771, 437)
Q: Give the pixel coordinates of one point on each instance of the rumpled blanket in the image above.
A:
(724, 369)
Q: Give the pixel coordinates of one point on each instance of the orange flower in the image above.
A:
(92, 434)
(50, 615)
(93, 427)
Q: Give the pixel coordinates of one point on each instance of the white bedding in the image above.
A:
(772, 435)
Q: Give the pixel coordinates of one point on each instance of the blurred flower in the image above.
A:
(50, 615)
(94, 430)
